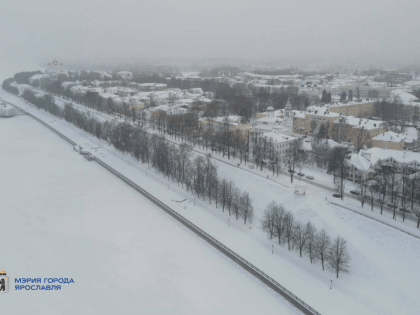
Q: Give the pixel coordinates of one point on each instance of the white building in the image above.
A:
(280, 143)
(404, 97)
(365, 162)
(125, 75)
(55, 68)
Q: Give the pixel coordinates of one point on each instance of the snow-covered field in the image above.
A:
(384, 276)
(64, 217)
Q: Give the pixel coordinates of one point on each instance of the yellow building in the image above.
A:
(348, 108)
(394, 141)
(234, 123)
(353, 108)
(358, 131)
(308, 122)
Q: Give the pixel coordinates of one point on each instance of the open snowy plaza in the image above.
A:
(63, 217)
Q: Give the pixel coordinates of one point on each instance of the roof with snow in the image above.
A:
(269, 120)
(358, 123)
(405, 98)
(377, 154)
(360, 162)
(390, 136)
(279, 138)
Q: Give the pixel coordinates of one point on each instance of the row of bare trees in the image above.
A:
(395, 186)
(198, 174)
(279, 223)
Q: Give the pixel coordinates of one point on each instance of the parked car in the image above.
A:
(292, 171)
(337, 195)
(310, 177)
(405, 210)
(301, 174)
(355, 192)
(368, 197)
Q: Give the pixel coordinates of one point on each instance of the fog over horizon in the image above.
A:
(373, 32)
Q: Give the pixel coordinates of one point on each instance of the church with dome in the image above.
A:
(55, 68)
(278, 121)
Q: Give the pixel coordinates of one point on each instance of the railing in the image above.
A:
(266, 279)
(46, 125)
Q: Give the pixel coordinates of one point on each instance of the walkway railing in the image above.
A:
(266, 279)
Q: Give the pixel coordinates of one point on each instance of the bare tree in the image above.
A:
(279, 226)
(268, 221)
(288, 228)
(338, 256)
(310, 245)
(224, 187)
(363, 188)
(300, 237)
(322, 243)
(246, 211)
(362, 138)
(236, 194)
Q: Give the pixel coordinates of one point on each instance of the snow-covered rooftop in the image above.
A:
(360, 162)
(390, 136)
(405, 97)
(279, 138)
(377, 154)
(367, 124)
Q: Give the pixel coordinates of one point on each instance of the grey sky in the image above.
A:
(93, 29)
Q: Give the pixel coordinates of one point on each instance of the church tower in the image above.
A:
(288, 108)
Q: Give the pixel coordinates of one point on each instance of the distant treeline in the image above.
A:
(7, 87)
(219, 71)
(23, 77)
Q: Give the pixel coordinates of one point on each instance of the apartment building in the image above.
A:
(348, 108)
(395, 141)
(356, 130)
(308, 122)
(363, 164)
(279, 143)
(234, 123)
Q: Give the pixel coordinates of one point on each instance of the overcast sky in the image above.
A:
(38, 30)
